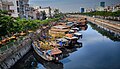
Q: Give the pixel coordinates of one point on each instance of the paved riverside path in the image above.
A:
(111, 25)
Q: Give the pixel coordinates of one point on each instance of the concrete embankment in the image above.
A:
(108, 25)
(10, 56)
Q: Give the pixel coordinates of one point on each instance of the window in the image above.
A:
(18, 10)
(17, 3)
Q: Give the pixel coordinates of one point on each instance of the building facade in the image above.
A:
(116, 8)
(47, 10)
(14, 8)
(18, 8)
(5, 5)
(100, 9)
(23, 8)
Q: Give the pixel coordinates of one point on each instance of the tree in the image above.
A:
(6, 24)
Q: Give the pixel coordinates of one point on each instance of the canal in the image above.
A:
(98, 51)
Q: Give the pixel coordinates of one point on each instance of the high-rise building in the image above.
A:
(82, 10)
(102, 4)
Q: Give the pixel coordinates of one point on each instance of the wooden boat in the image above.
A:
(66, 24)
(70, 24)
(62, 42)
(46, 64)
(75, 29)
(77, 34)
(48, 55)
(59, 29)
(79, 21)
(71, 32)
(72, 39)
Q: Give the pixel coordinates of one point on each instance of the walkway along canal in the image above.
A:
(109, 25)
(98, 51)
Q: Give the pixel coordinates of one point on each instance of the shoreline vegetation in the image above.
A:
(100, 13)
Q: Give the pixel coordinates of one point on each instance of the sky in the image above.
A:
(71, 5)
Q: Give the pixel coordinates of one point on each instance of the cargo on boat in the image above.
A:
(49, 54)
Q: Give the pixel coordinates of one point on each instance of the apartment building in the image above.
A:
(47, 11)
(22, 8)
(5, 5)
(18, 8)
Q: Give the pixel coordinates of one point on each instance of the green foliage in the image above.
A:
(3, 12)
(9, 25)
(6, 25)
(103, 13)
(58, 15)
(100, 13)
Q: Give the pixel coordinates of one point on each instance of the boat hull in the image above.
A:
(39, 53)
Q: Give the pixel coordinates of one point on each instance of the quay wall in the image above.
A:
(9, 57)
(109, 25)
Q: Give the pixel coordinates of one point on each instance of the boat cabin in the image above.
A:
(75, 29)
(47, 54)
(79, 35)
(70, 24)
(71, 32)
(62, 42)
(72, 39)
(54, 54)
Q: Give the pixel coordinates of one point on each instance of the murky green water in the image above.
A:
(98, 51)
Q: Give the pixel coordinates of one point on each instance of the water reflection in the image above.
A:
(84, 27)
(26, 62)
(56, 65)
(107, 33)
(94, 52)
(46, 64)
(32, 61)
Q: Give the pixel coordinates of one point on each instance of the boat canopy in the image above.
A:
(77, 33)
(69, 35)
(75, 28)
(69, 23)
(71, 38)
(71, 31)
(59, 27)
(62, 39)
(54, 51)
